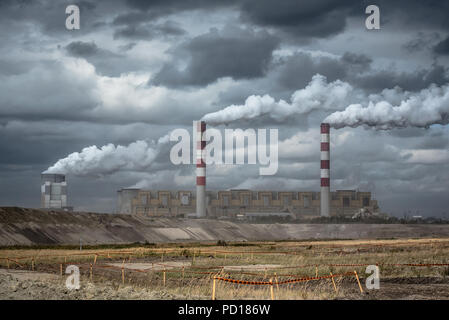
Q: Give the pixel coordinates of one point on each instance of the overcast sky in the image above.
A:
(138, 69)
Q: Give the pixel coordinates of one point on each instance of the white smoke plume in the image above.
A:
(427, 107)
(318, 94)
(109, 158)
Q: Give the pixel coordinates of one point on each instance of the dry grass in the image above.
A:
(196, 283)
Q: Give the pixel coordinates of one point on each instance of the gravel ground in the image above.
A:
(26, 285)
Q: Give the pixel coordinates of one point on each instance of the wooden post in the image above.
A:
(162, 257)
(193, 260)
(358, 281)
(276, 278)
(95, 259)
(60, 269)
(32, 264)
(182, 272)
(7, 262)
(316, 271)
(225, 256)
(333, 282)
(271, 289)
(65, 260)
(91, 272)
(123, 275)
(164, 278)
(213, 288)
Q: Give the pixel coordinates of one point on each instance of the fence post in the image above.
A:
(213, 289)
(271, 289)
(32, 264)
(60, 269)
(333, 282)
(276, 278)
(164, 278)
(316, 271)
(91, 272)
(182, 272)
(7, 262)
(95, 259)
(358, 281)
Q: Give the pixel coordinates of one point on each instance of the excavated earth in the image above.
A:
(20, 226)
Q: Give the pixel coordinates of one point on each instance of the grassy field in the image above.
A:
(187, 270)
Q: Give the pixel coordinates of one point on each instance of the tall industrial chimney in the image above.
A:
(325, 166)
(200, 169)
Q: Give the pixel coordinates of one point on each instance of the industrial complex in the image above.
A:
(246, 204)
(241, 203)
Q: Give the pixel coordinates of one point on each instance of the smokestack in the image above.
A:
(200, 170)
(325, 166)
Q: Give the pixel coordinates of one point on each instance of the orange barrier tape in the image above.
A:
(243, 281)
(282, 282)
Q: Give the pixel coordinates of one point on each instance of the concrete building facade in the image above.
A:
(53, 191)
(237, 203)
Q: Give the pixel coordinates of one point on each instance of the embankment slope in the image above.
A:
(20, 226)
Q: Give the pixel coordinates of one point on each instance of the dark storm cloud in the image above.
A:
(170, 6)
(233, 52)
(423, 41)
(412, 81)
(358, 60)
(310, 19)
(301, 19)
(105, 61)
(296, 71)
(149, 31)
(417, 14)
(82, 49)
(442, 47)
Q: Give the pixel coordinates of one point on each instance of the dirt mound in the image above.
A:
(20, 226)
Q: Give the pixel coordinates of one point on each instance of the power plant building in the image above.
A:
(237, 203)
(53, 191)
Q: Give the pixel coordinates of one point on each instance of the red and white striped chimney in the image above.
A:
(200, 169)
(325, 168)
